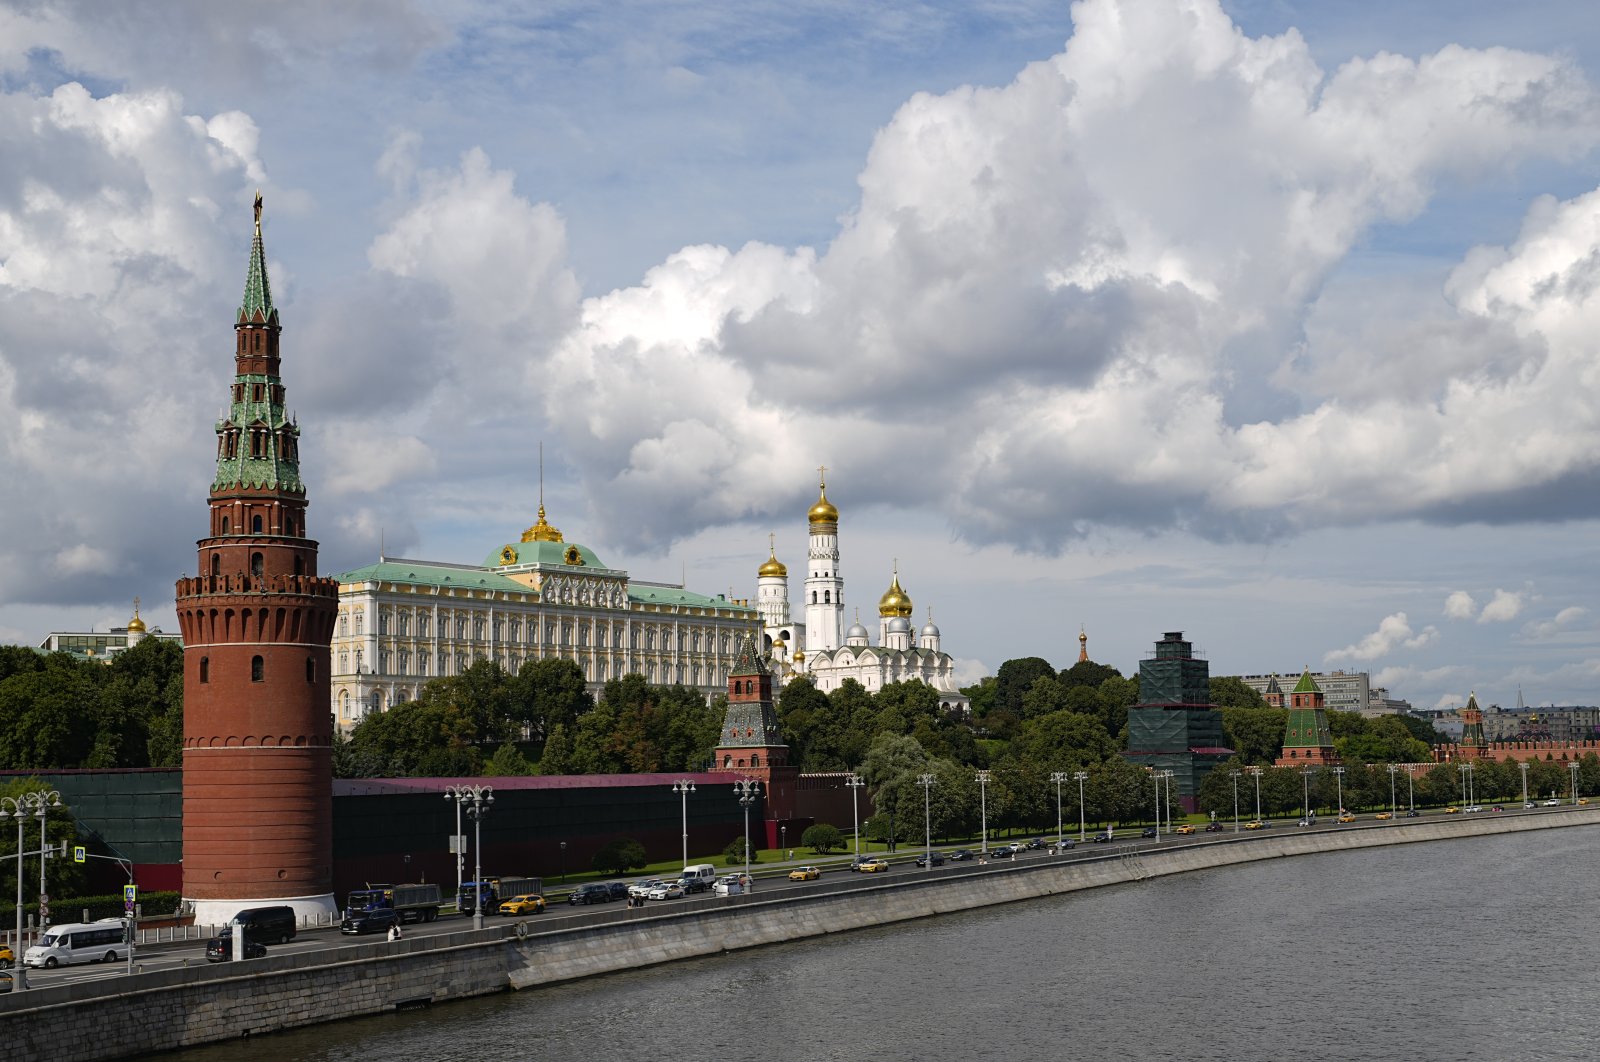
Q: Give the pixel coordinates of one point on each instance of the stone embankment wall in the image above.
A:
(181, 1008)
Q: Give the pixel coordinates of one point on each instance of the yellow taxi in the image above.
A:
(6, 957)
(1347, 817)
(1452, 811)
(1583, 800)
(875, 865)
(805, 873)
(529, 903)
(1382, 815)
(1254, 824)
(1186, 828)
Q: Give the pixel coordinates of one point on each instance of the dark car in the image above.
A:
(1213, 827)
(938, 859)
(1148, 831)
(220, 949)
(616, 890)
(1035, 844)
(373, 920)
(266, 925)
(695, 884)
(592, 892)
(1004, 851)
(1413, 813)
(1102, 837)
(960, 855)
(1066, 844)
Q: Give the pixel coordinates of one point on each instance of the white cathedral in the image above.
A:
(821, 647)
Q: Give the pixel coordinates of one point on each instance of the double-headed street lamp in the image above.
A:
(1524, 766)
(20, 807)
(1394, 805)
(747, 789)
(983, 809)
(1058, 777)
(1256, 771)
(855, 783)
(1573, 767)
(1338, 776)
(1305, 795)
(684, 787)
(1411, 789)
(1081, 776)
(476, 800)
(927, 782)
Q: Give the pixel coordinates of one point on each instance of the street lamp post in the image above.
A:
(1472, 785)
(455, 844)
(747, 790)
(1461, 769)
(683, 787)
(983, 809)
(476, 800)
(1394, 805)
(1305, 795)
(1081, 776)
(1166, 805)
(855, 783)
(1058, 777)
(1235, 775)
(563, 862)
(21, 806)
(1338, 777)
(1411, 789)
(1524, 766)
(1256, 771)
(1573, 767)
(927, 782)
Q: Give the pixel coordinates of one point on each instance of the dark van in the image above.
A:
(266, 925)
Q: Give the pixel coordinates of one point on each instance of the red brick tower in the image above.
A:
(257, 621)
(752, 742)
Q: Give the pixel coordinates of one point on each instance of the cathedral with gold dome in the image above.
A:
(820, 647)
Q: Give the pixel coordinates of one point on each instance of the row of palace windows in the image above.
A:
(403, 662)
(258, 669)
(474, 628)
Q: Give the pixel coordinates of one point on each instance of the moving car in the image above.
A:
(1213, 827)
(960, 855)
(1345, 816)
(1527, 803)
(805, 873)
(6, 957)
(1452, 811)
(1552, 802)
(665, 890)
(1102, 837)
(1383, 816)
(616, 890)
(371, 920)
(640, 889)
(1148, 831)
(1303, 822)
(1066, 844)
(590, 892)
(727, 885)
(875, 865)
(1255, 824)
(528, 903)
(938, 859)
(1186, 828)
(220, 949)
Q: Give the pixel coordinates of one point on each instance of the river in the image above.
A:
(1450, 951)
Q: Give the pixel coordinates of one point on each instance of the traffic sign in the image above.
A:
(130, 893)
(78, 854)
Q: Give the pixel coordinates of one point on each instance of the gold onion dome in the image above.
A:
(895, 601)
(823, 512)
(541, 531)
(136, 625)
(774, 568)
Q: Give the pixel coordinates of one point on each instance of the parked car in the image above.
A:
(371, 920)
(805, 873)
(960, 855)
(938, 859)
(220, 949)
(527, 903)
(1213, 827)
(665, 890)
(875, 865)
(589, 892)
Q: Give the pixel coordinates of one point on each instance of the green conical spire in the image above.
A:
(257, 290)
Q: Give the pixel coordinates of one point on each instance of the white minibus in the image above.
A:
(100, 941)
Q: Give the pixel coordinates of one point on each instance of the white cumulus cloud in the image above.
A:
(1460, 605)
(1506, 605)
(1394, 632)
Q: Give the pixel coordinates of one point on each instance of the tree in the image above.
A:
(548, 693)
(1016, 678)
(428, 737)
(1064, 741)
(507, 762)
(619, 857)
(557, 755)
(1086, 674)
(821, 838)
(1256, 734)
(1228, 691)
(735, 855)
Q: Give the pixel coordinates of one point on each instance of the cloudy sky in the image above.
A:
(1271, 322)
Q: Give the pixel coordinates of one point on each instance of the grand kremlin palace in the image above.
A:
(402, 622)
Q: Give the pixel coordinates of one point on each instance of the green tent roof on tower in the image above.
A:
(1307, 684)
(257, 290)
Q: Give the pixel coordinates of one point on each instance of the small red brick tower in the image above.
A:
(752, 742)
(257, 622)
(1307, 738)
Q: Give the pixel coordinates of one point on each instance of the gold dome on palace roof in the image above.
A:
(136, 625)
(542, 531)
(895, 601)
(774, 568)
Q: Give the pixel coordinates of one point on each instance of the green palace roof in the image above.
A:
(566, 554)
(419, 574)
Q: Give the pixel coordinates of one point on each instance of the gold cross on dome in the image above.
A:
(822, 475)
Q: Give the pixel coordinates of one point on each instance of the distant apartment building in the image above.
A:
(1574, 723)
(1343, 691)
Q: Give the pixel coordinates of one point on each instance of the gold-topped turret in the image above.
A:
(136, 625)
(542, 531)
(823, 513)
(895, 601)
(774, 568)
